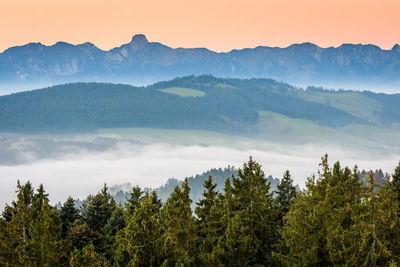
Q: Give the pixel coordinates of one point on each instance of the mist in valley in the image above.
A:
(78, 165)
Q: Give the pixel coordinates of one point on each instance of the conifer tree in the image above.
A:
(318, 230)
(15, 231)
(221, 215)
(114, 224)
(87, 257)
(285, 195)
(80, 235)
(68, 214)
(140, 243)
(205, 223)
(252, 230)
(396, 183)
(134, 199)
(98, 209)
(378, 226)
(45, 243)
(32, 235)
(179, 238)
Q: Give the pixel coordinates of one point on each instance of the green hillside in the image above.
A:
(183, 92)
(251, 107)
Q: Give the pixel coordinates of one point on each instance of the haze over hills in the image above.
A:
(119, 133)
(142, 62)
(205, 110)
(191, 103)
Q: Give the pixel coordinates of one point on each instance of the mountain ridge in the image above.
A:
(141, 62)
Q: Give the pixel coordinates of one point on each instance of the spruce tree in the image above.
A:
(252, 229)
(32, 234)
(221, 215)
(114, 224)
(378, 226)
(68, 214)
(179, 238)
(134, 199)
(205, 224)
(15, 231)
(140, 242)
(98, 209)
(87, 257)
(321, 224)
(45, 243)
(285, 195)
(396, 183)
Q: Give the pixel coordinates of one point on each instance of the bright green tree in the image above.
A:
(285, 195)
(140, 242)
(134, 199)
(378, 226)
(396, 183)
(179, 240)
(251, 232)
(32, 234)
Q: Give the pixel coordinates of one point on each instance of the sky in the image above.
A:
(220, 25)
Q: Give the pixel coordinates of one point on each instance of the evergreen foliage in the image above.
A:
(338, 219)
(228, 105)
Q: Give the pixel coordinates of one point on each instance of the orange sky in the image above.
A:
(219, 25)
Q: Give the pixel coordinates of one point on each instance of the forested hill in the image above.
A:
(192, 102)
(334, 221)
(121, 192)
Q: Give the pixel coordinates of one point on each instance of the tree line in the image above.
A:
(337, 219)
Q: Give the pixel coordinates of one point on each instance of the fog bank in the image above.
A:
(79, 166)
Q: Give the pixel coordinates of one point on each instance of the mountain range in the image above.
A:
(141, 62)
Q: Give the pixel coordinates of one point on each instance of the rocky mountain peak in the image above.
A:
(138, 42)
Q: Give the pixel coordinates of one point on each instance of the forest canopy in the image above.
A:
(339, 218)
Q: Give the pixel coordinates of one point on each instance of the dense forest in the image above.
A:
(192, 102)
(339, 218)
(195, 183)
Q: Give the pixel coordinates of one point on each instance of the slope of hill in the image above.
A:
(144, 62)
(192, 102)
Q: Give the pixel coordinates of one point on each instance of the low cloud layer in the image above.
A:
(78, 166)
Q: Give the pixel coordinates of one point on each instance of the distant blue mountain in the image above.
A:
(141, 62)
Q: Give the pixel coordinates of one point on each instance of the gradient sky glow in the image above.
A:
(219, 25)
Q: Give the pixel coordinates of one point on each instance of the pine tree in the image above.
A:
(114, 224)
(80, 235)
(14, 231)
(318, 229)
(378, 226)
(68, 214)
(205, 225)
(396, 183)
(252, 230)
(45, 243)
(87, 257)
(179, 238)
(98, 210)
(31, 236)
(140, 243)
(285, 195)
(220, 216)
(134, 199)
